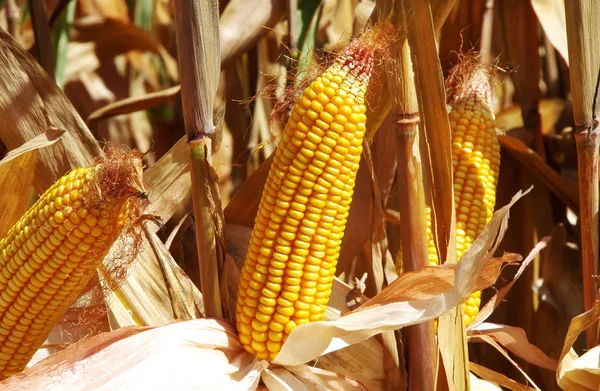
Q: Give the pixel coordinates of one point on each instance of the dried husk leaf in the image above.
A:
(499, 348)
(482, 385)
(496, 300)
(134, 103)
(311, 340)
(575, 372)
(149, 358)
(48, 138)
(31, 104)
(551, 15)
(184, 296)
(515, 340)
(493, 376)
(113, 37)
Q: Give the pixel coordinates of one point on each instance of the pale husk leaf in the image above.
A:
(193, 355)
(551, 15)
(575, 372)
(478, 384)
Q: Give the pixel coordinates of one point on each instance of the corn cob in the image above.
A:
(290, 264)
(49, 255)
(475, 161)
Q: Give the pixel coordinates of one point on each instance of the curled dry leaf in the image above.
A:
(411, 299)
(575, 372)
(515, 340)
(496, 300)
(51, 136)
(495, 377)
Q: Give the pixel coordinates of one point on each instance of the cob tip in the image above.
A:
(470, 77)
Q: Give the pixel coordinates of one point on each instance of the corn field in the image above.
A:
(299, 195)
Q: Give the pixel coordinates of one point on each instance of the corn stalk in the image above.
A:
(583, 32)
(197, 30)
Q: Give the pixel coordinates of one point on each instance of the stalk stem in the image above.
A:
(206, 238)
(197, 27)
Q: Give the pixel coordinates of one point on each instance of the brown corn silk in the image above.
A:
(475, 159)
(290, 265)
(50, 254)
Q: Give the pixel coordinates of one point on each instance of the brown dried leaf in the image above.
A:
(574, 372)
(51, 136)
(551, 15)
(496, 300)
(515, 340)
(31, 103)
(498, 378)
(134, 103)
(113, 37)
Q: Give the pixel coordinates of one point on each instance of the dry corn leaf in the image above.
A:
(134, 103)
(496, 300)
(575, 372)
(168, 181)
(551, 15)
(392, 313)
(243, 22)
(113, 37)
(31, 103)
(496, 378)
(162, 358)
(515, 340)
(499, 348)
(241, 26)
(185, 298)
(15, 189)
(48, 138)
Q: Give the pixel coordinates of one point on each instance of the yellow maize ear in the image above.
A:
(290, 264)
(475, 161)
(50, 254)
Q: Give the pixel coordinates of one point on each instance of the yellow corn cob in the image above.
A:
(475, 161)
(47, 258)
(290, 264)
